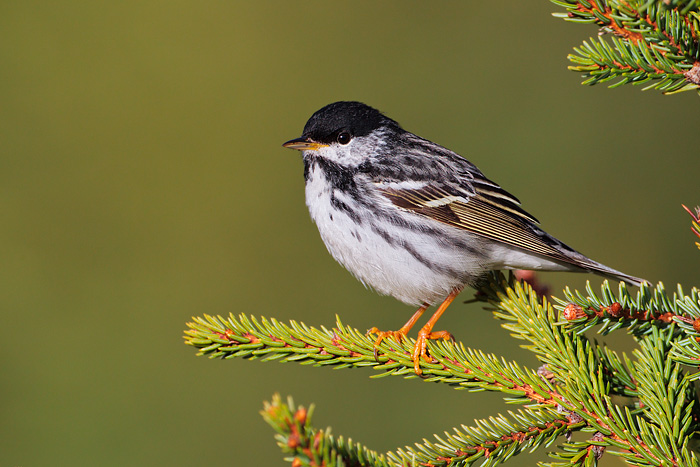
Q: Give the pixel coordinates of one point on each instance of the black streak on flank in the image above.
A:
(344, 208)
(422, 259)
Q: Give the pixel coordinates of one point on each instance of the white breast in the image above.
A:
(383, 256)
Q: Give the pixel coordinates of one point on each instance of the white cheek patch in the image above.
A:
(344, 155)
(326, 152)
(357, 151)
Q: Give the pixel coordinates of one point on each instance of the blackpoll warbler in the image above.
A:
(414, 220)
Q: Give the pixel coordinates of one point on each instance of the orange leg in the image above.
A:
(398, 335)
(426, 333)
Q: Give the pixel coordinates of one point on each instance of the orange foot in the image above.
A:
(419, 350)
(397, 335)
(426, 333)
(381, 335)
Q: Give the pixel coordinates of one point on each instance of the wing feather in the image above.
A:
(494, 214)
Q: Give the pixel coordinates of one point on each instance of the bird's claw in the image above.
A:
(381, 335)
(420, 349)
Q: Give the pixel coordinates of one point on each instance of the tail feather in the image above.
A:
(585, 263)
(610, 273)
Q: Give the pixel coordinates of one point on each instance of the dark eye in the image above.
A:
(344, 137)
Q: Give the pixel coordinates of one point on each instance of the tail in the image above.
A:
(537, 243)
(611, 273)
(574, 260)
(586, 264)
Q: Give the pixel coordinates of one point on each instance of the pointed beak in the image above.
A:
(303, 144)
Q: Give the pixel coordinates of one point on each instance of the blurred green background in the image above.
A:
(142, 182)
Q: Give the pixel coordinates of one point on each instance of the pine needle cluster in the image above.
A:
(640, 42)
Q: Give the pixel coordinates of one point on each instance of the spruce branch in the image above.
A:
(584, 386)
(572, 392)
(494, 440)
(308, 446)
(649, 311)
(639, 314)
(655, 42)
(249, 338)
(664, 393)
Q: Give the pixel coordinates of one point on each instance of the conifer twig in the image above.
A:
(651, 307)
(652, 41)
(572, 392)
(249, 338)
(308, 446)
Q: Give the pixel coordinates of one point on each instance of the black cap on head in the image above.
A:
(354, 117)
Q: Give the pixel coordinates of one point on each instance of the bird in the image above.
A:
(414, 220)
